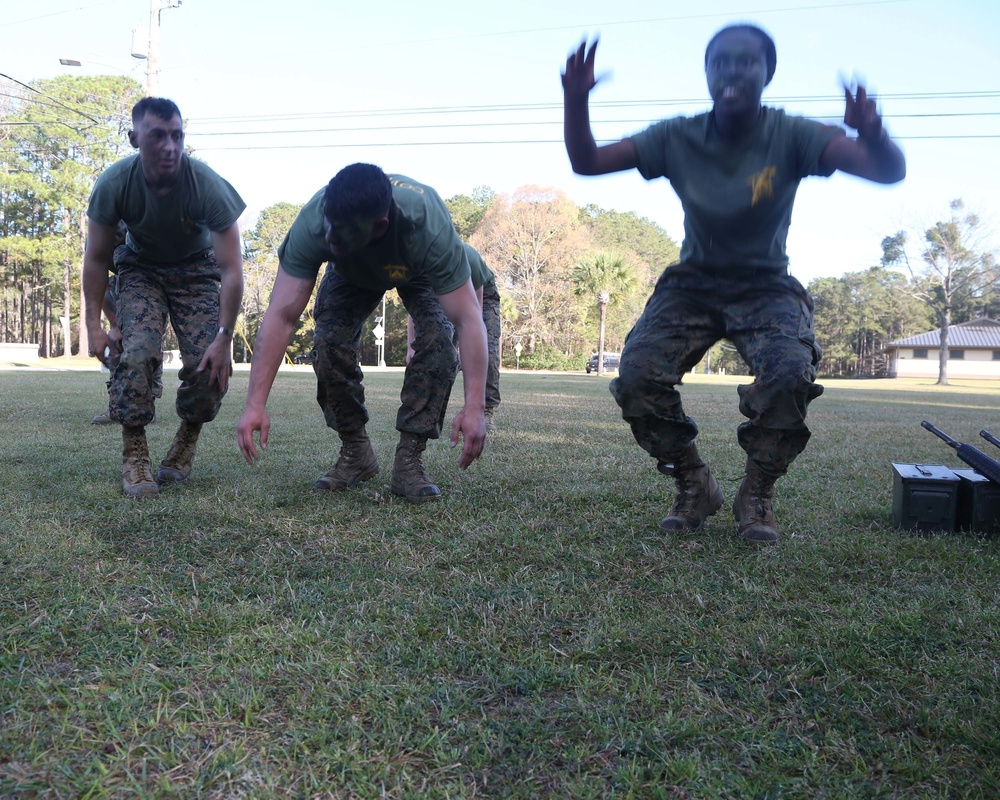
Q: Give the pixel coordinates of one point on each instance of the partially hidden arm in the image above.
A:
(218, 358)
(97, 256)
(288, 300)
(466, 315)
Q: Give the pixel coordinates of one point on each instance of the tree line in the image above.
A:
(565, 273)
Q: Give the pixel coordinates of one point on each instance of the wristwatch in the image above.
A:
(226, 331)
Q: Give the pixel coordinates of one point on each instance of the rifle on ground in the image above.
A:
(975, 458)
(989, 437)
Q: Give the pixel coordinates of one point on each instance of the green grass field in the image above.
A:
(531, 635)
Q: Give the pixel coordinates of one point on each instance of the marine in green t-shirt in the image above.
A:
(736, 170)
(376, 232)
(484, 282)
(419, 242)
(181, 262)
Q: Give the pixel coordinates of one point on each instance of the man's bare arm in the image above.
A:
(218, 358)
(97, 256)
(289, 298)
(465, 313)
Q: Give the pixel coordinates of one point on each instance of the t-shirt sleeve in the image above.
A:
(223, 205)
(303, 251)
(103, 206)
(652, 150)
(811, 138)
(477, 266)
(447, 265)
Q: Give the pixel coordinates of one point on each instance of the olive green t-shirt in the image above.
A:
(737, 198)
(481, 274)
(171, 228)
(421, 241)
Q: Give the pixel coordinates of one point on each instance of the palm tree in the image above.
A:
(607, 277)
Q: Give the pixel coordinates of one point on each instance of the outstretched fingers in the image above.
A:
(861, 112)
(578, 76)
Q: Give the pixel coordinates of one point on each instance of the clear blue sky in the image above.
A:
(460, 94)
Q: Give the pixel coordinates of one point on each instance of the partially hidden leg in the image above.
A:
(773, 331)
(427, 385)
(340, 312)
(669, 339)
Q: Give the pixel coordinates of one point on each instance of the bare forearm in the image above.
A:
(95, 288)
(580, 144)
(269, 349)
(888, 161)
(472, 341)
(231, 295)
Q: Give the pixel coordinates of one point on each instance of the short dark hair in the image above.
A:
(357, 190)
(158, 106)
(770, 52)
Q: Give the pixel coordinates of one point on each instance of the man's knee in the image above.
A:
(781, 400)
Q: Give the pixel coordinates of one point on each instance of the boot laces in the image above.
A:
(414, 464)
(140, 468)
(688, 491)
(759, 490)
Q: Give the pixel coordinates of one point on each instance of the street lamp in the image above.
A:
(603, 298)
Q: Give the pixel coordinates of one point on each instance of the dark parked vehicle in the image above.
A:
(305, 358)
(610, 362)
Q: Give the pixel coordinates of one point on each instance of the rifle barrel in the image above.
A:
(940, 434)
(989, 437)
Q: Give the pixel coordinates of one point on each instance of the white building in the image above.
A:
(973, 352)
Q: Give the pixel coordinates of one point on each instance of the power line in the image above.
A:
(508, 107)
(328, 145)
(358, 129)
(577, 27)
(48, 97)
(56, 13)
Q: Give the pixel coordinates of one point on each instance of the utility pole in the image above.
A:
(152, 54)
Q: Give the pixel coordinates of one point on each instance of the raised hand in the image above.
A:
(578, 78)
(862, 115)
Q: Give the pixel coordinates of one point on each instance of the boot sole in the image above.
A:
(718, 500)
(759, 542)
(141, 491)
(167, 475)
(416, 498)
(324, 484)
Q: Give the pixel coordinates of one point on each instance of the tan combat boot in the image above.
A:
(137, 471)
(408, 477)
(489, 415)
(752, 508)
(698, 493)
(357, 462)
(177, 466)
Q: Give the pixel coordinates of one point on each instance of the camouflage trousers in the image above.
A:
(491, 318)
(187, 294)
(768, 316)
(112, 298)
(340, 312)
